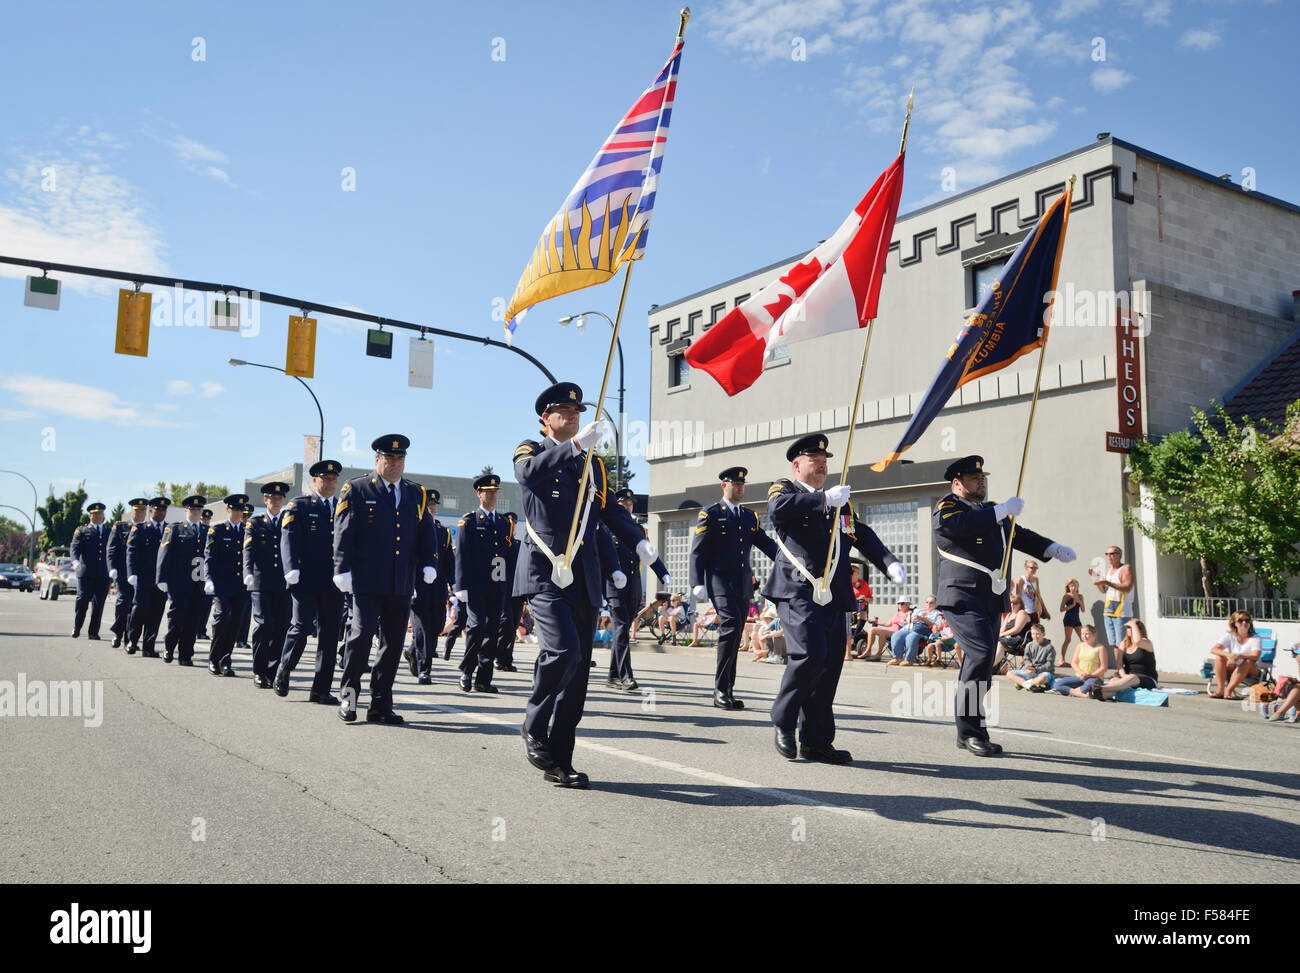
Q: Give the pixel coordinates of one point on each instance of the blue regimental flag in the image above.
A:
(1011, 321)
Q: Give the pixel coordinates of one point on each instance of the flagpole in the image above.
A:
(1033, 402)
(825, 582)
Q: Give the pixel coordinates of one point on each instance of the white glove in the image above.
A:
(162, 586)
(429, 574)
(1008, 508)
(897, 573)
(1060, 552)
(619, 579)
(700, 592)
(462, 596)
(76, 565)
(343, 582)
(248, 581)
(838, 496)
(209, 588)
(590, 434)
(132, 580)
(112, 573)
(646, 552)
(666, 579)
(291, 577)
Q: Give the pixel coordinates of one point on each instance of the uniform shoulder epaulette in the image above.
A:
(526, 448)
(779, 486)
(704, 513)
(212, 531)
(461, 522)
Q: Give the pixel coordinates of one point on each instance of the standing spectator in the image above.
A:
(1137, 663)
(1237, 652)
(1116, 584)
(1071, 605)
(1090, 663)
(1027, 587)
(1039, 669)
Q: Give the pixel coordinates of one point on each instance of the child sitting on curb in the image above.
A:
(1039, 669)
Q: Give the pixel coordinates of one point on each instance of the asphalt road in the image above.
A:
(191, 778)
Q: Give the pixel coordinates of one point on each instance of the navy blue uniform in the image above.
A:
(204, 609)
(384, 547)
(458, 622)
(720, 561)
(513, 608)
(90, 550)
(223, 565)
(485, 547)
(180, 567)
(142, 545)
(624, 603)
(814, 634)
(965, 594)
(565, 618)
(268, 591)
(116, 554)
(429, 606)
(307, 546)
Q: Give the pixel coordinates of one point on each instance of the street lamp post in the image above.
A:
(240, 361)
(31, 554)
(581, 323)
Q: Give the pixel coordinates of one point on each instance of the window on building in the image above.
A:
(779, 353)
(450, 503)
(895, 525)
(676, 552)
(980, 278)
(679, 371)
(717, 313)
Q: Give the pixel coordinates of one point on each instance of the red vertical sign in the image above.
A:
(1129, 371)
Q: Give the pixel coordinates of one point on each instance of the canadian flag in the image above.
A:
(834, 288)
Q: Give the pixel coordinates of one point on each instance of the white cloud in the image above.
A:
(188, 150)
(11, 415)
(762, 30)
(1155, 12)
(179, 387)
(1202, 38)
(219, 174)
(63, 203)
(338, 325)
(54, 396)
(1072, 8)
(210, 390)
(1109, 80)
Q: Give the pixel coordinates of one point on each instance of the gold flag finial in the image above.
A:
(902, 146)
(681, 30)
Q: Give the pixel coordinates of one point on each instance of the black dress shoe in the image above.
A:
(117, 640)
(92, 638)
(132, 649)
(825, 754)
(281, 688)
(167, 658)
(785, 744)
(387, 717)
(726, 701)
(261, 682)
(506, 668)
(424, 681)
(76, 635)
(567, 777)
(979, 746)
(348, 715)
(483, 687)
(413, 663)
(185, 662)
(327, 699)
(538, 753)
(228, 670)
(466, 683)
(214, 670)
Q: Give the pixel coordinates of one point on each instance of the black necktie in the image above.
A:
(392, 492)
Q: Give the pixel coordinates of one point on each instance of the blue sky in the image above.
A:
(230, 169)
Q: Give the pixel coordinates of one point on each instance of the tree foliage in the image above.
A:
(61, 517)
(1225, 494)
(619, 468)
(176, 492)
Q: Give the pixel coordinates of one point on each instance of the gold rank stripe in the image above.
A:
(343, 505)
(701, 530)
(775, 488)
(704, 515)
(524, 450)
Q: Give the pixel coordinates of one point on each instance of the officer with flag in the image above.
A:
(720, 571)
(971, 535)
(142, 565)
(90, 562)
(485, 543)
(180, 559)
(116, 554)
(625, 602)
(264, 578)
(223, 580)
(812, 522)
(307, 554)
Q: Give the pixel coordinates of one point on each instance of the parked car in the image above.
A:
(17, 576)
(55, 576)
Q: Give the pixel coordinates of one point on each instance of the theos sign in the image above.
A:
(1128, 385)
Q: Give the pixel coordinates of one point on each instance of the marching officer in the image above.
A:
(223, 579)
(971, 536)
(549, 470)
(90, 561)
(205, 600)
(484, 548)
(117, 566)
(809, 523)
(625, 602)
(307, 552)
(142, 565)
(429, 606)
(382, 534)
(180, 569)
(720, 571)
(264, 578)
(513, 608)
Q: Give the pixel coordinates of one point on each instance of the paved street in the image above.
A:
(1197, 792)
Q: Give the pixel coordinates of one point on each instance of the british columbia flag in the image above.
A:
(605, 220)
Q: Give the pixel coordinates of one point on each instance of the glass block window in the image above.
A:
(896, 526)
(675, 549)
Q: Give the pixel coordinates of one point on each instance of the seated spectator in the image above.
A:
(751, 619)
(1014, 631)
(905, 644)
(1090, 664)
(881, 634)
(1236, 653)
(1137, 663)
(705, 621)
(857, 618)
(1039, 668)
(1288, 699)
(767, 626)
(943, 640)
(524, 631)
(673, 615)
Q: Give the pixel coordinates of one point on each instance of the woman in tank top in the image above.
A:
(1028, 590)
(1137, 663)
(1071, 605)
